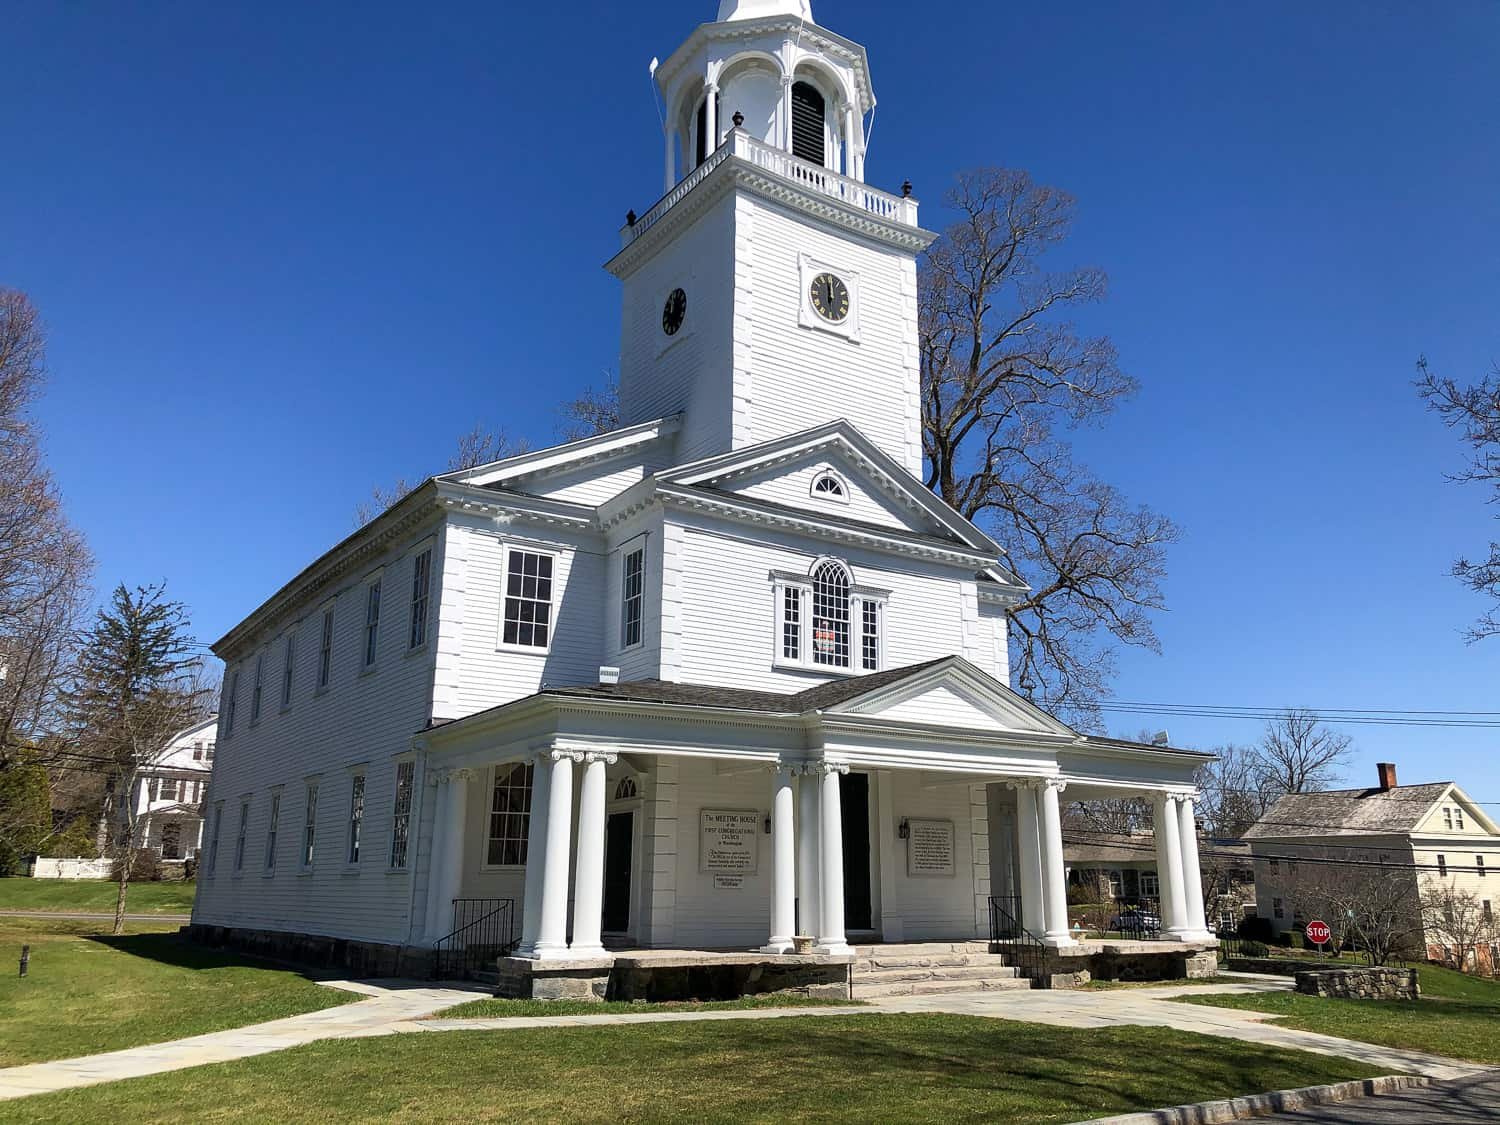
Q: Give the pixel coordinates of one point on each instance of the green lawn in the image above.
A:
(87, 992)
(492, 1008)
(94, 896)
(908, 1068)
(1458, 1015)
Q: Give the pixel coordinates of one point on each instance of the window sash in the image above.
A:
(421, 581)
(271, 826)
(213, 841)
(633, 597)
(857, 631)
(325, 649)
(401, 813)
(526, 621)
(239, 840)
(168, 790)
(356, 814)
(1442, 865)
(510, 816)
(372, 623)
(309, 825)
(260, 662)
(287, 669)
(231, 700)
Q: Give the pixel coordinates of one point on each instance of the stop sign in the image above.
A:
(1318, 932)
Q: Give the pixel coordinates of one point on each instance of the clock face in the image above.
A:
(830, 297)
(673, 311)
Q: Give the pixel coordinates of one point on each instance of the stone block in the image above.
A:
(1360, 983)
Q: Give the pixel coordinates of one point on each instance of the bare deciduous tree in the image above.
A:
(1474, 411)
(1368, 906)
(477, 447)
(1460, 920)
(595, 411)
(1298, 754)
(1233, 791)
(44, 565)
(136, 685)
(1004, 376)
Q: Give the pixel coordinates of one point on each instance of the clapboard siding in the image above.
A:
(726, 622)
(595, 483)
(708, 916)
(939, 906)
(804, 376)
(364, 717)
(792, 486)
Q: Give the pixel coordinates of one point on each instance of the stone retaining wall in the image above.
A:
(1125, 961)
(1361, 984)
(358, 958)
(690, 977)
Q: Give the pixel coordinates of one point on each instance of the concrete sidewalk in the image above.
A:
(388, 1003)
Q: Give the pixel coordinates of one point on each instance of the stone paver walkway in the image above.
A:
(397, 1008)
(388, 1003)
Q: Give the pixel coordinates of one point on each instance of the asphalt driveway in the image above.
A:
(1468, 1101)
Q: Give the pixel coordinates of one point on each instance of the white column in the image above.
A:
(1053, 872)
(831, 853)
(1192, 872)
(710, 118)
(1029, 842)
(445, 874)
(786, 112)
(588, 876)
(552, 938)
(670, 177)
(849, 164)
(536, 854)
(784, 864)
(809, 917)
(1169, 866)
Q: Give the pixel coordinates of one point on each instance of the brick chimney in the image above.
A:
(1387, 771)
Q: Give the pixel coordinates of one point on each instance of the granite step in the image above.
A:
(925, 961)
(867, 990)
(921, 948)
(941, 972)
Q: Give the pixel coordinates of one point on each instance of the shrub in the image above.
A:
(145, 866)
(1255, 949)
(1255, 928)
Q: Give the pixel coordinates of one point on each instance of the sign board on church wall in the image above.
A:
(729, 841)
(929, 847)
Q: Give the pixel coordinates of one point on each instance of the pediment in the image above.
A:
(872, 488)
(956, 694)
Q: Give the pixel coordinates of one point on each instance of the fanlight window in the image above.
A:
(825, 621)
(827, 486)
(625, 789)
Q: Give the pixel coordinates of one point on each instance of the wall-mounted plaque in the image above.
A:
(929, 847)
(729, 841)
(728, 882)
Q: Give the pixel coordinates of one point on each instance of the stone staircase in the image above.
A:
(923, 968)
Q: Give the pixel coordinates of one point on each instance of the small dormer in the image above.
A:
(795, 86)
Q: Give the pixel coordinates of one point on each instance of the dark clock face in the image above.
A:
(830, 297)
(673, 311)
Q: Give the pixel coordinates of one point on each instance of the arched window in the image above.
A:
(625, 789)
(808, 113)
(830, 615)
(827, 486)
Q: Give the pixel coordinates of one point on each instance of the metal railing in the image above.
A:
(483, 930)
(1024, 951)
(1137, 918)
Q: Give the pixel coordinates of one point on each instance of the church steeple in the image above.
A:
(796, 85)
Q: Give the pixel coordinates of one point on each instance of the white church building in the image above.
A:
(723, 678)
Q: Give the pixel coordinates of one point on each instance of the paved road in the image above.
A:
(78, 916)
(1474, 1101)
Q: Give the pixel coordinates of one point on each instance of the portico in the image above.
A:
(742, 820)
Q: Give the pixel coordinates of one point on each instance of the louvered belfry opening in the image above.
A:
(807, 123)
(704, 149)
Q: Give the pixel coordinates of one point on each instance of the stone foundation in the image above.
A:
(1361, 984)
(1126, 961)
(675, 976)
(357, 958)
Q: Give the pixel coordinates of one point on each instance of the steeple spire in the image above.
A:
(754, 9)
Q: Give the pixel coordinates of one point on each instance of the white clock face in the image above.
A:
(830, 297)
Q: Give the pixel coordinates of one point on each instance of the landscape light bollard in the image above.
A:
(25, 958)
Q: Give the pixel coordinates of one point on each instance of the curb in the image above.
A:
(1258, 1105)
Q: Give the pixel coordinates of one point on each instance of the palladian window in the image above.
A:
(826, 621)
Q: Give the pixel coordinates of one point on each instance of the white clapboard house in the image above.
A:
(722, 677)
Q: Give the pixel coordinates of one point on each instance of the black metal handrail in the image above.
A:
(1025, 952)
(483, 930)
(1137, 918)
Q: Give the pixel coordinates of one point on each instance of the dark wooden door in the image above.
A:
(619, 838)
(854, 799)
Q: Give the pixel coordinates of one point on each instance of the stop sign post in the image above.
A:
(1319, 933)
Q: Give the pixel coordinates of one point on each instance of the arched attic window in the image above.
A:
(827, 486)
(809, 110)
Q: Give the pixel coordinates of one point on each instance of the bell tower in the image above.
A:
(770, 289)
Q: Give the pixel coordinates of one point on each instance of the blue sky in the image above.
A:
(287, 252)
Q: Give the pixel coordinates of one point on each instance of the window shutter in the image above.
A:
(807, 123)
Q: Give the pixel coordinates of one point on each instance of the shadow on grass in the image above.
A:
(180, 952)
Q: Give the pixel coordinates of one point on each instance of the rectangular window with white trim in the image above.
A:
(526, 620)
(310, 824)
(826, 622)
(325, 650)
(401, 813)
(271, 825)
(239, 839)
(213, 840)
(260, 664)
(372, 623)
(510, 816)
(288, 666)
(632, 597)
(356, 814)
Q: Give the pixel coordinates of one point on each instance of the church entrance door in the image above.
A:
(619, 839)
(854, 802)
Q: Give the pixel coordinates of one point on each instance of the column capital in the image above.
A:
(1057, 783)
(608, 757)
(555, 755)
(1024, 783)
(823, 767)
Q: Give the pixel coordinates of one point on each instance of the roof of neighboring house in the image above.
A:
(1348, 812)
(1110, 847)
